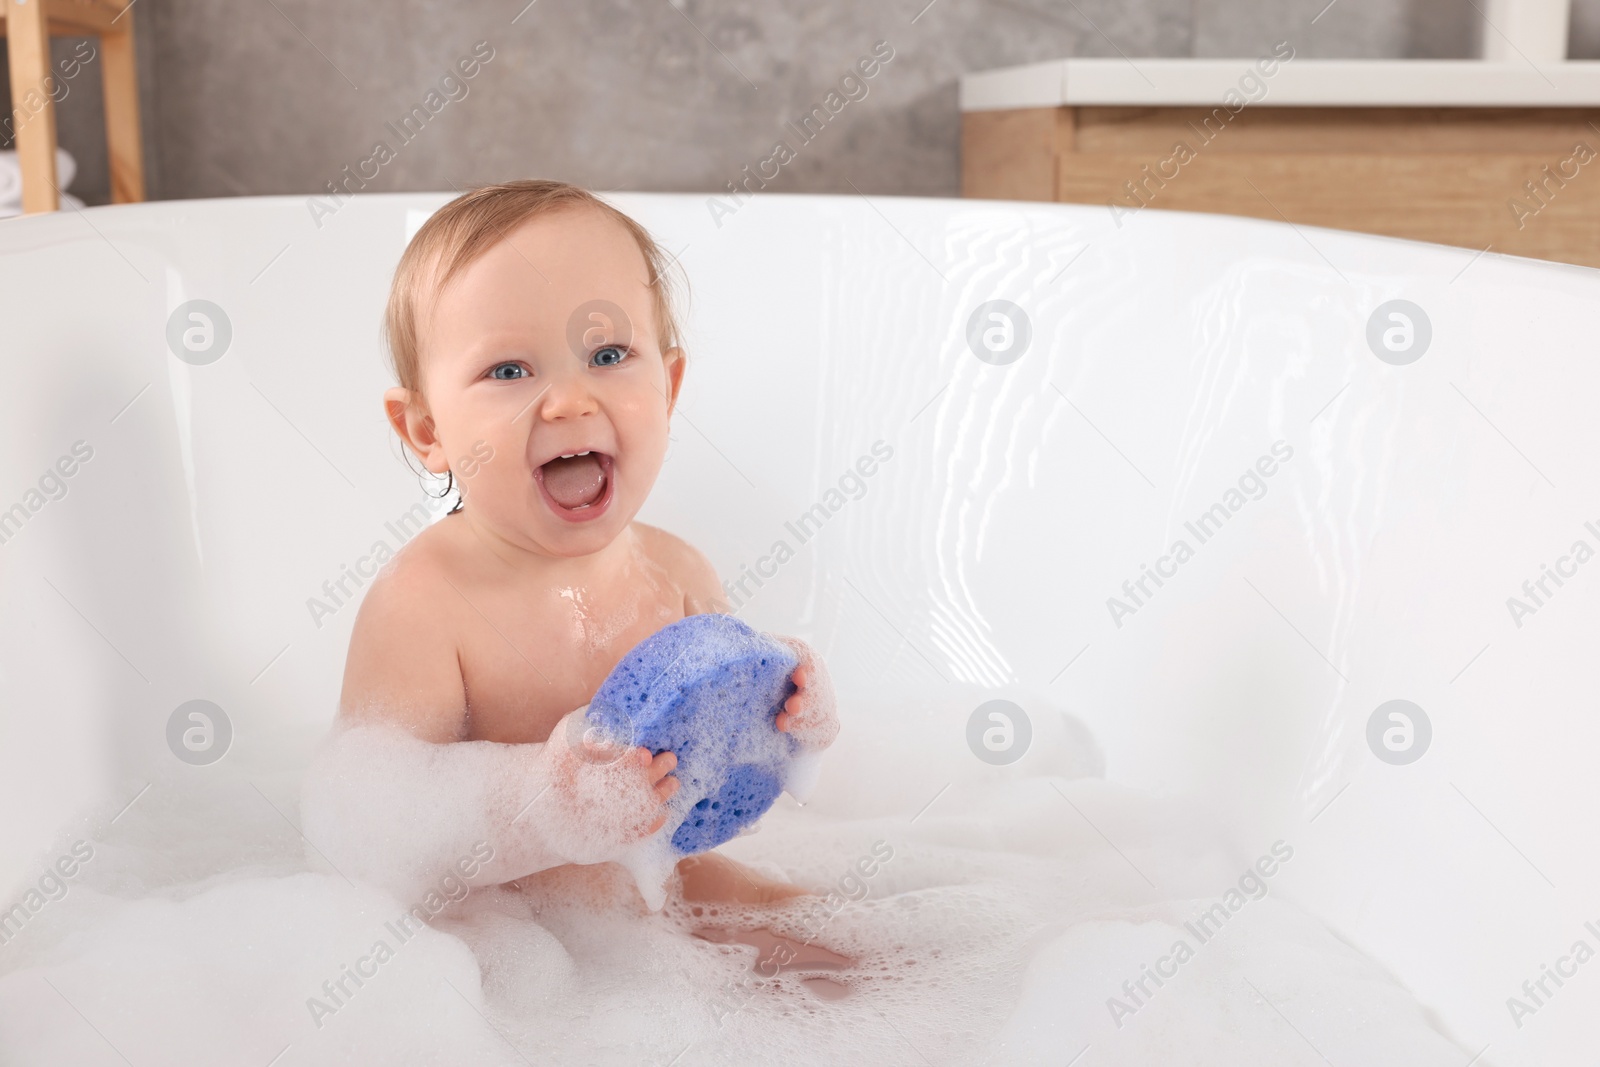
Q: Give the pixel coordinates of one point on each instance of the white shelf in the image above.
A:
(1295, 83)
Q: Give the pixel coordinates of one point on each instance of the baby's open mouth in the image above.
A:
(578, 482)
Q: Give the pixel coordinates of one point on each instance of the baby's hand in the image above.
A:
(605, 796)
(811, 712)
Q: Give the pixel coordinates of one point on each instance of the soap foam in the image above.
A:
(994, 926)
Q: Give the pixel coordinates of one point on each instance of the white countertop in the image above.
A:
(1293, 83)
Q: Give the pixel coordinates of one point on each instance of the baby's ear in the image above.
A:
(676, 361)
(408, 414)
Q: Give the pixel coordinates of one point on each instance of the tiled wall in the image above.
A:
(278, 96)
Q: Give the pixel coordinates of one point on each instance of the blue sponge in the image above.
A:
(706, 688)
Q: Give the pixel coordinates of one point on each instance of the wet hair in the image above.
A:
(458, 234)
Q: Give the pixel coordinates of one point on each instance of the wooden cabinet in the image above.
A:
(1519, 180)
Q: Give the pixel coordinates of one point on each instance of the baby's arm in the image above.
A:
(388, 808)
(402, 669)
(810, 714)
(397, 798)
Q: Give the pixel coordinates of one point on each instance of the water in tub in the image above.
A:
(997, 924)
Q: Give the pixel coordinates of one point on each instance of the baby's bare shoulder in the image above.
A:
(403, 664)
(413, 578)
(687, 566)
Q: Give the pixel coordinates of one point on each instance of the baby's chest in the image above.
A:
(528, 661)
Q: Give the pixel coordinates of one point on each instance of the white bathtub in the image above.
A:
(1167, 357)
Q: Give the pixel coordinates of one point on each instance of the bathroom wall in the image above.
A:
(279, 96)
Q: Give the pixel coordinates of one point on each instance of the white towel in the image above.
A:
(68, 203)
(11, 175)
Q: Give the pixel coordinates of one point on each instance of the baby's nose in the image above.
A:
(568, 398)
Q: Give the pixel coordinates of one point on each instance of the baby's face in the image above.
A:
(547, 347)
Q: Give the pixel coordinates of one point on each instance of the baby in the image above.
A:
(533, 334)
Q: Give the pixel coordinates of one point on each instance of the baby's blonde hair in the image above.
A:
(464, 229)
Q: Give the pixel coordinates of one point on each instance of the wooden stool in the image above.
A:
(28, 26)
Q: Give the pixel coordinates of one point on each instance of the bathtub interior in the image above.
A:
(1169, 355)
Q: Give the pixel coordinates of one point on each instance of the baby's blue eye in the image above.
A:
(507, 372)
(609, 356)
